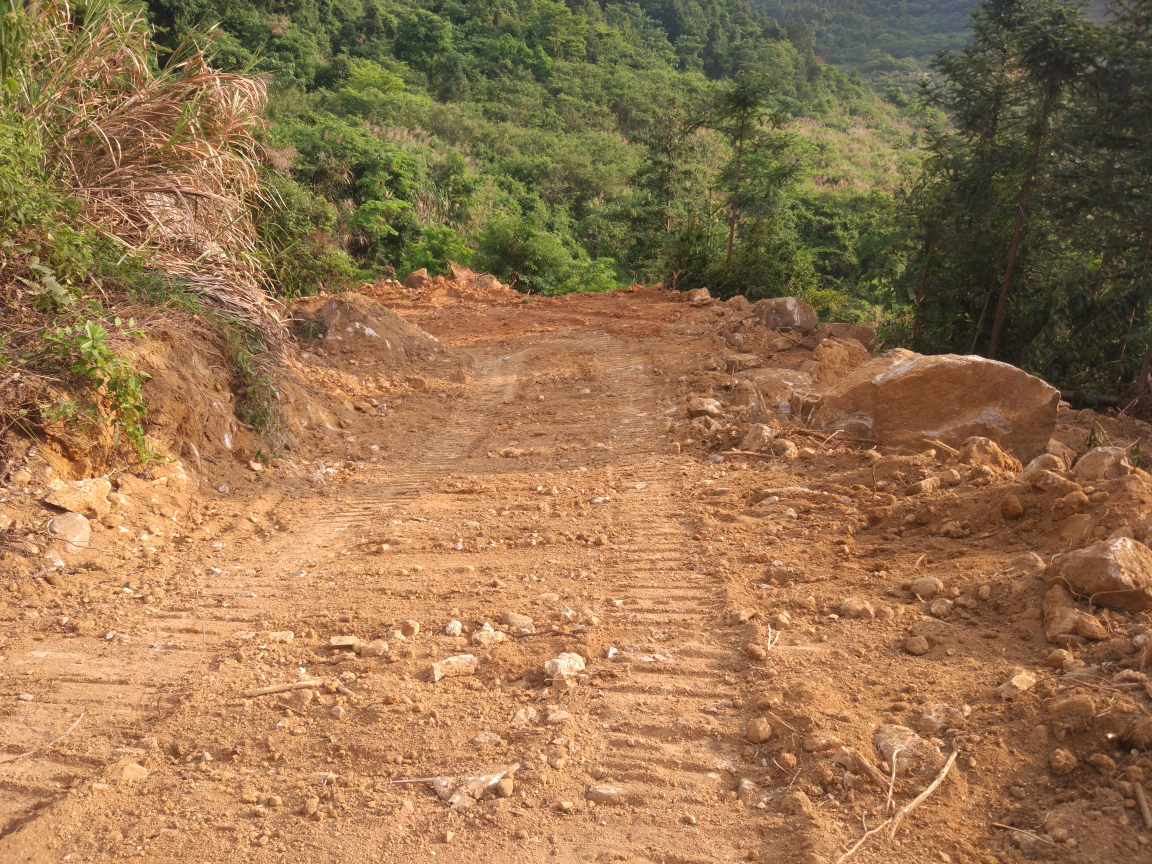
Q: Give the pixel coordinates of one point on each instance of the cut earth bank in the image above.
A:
(671, 579)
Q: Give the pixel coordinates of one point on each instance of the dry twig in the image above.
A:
(919, 799)
(283, 688)
(40, 747)
(1142, 800)
(867, 833)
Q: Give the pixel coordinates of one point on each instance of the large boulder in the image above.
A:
(1116, 573)
(786, 313)
(901, 398)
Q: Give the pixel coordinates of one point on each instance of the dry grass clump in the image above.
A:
(166, 159)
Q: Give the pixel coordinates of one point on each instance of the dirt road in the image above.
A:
(544, 480)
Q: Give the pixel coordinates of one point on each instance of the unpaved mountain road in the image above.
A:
(701, 596)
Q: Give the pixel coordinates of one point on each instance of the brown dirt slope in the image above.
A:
(741, 621)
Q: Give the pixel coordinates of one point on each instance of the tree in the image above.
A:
(739, 114)
(1054, 50)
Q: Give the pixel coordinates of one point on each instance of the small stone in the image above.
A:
(559, 718)
(1102, 763)
(505, 787)
(74, 529)
(344, 643)
(455, 667)
(453, 628)
(787, 761)
(1074, 709)
(249, 797)
(781, 621)
(487, 739)
(758, 730)
(1062, 762)
(487, 636)
(448, 835)
(916, 645)
(754, 651)
(410, 629)
(518, 623)
(927, 587)
(565, 806)
(132, 772)
(337, 712)
(1010, 507)
(565, 666)
(375, 648)
(854, 607)
(85, 497)
(604, 794)
(1058, 658)
(281, 636)
(1021, 682)
(913, 754)
(1090, 627)
(941, 607)
(929, 484)
(703, 407)
(298, 700)
(310, 806)
(820, 743)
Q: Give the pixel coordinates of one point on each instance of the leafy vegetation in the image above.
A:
(520, 137)
(1027, 236)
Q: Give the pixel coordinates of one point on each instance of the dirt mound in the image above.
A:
(462, 288)
(356, 324)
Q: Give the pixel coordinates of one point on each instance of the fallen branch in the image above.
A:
(283, 688)
(56, 740)
(870, 770)
(936, 443)
(1031, 834)
(860, 842)
(892, 782)
(1142, 800)
(919, 799)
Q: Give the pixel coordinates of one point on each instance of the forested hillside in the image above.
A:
(561, 147)
(876, 36)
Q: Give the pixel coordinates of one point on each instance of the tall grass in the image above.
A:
(164, 159)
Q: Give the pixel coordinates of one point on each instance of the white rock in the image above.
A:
(1102, 463)
(73, 528)
(455, 667)
(486, 636)
(565, 666)
(913, 754)
(1020, 683)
